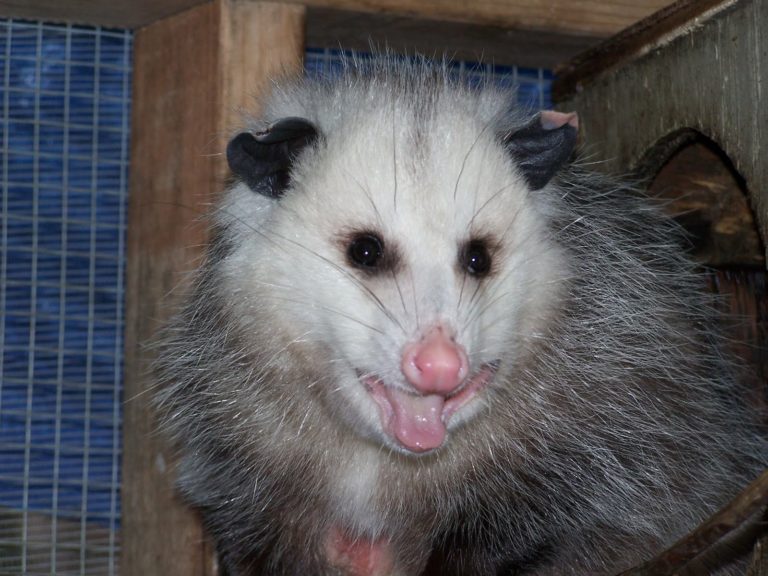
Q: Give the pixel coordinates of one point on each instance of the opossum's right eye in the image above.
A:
(476, 258)
(366, 251)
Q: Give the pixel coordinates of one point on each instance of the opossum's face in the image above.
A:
(412, 268)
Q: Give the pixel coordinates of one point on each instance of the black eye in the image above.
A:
(476, 258)
(366, 251)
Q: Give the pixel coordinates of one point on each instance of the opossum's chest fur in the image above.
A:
(355, 490)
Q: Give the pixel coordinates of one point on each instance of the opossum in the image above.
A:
(427, 339)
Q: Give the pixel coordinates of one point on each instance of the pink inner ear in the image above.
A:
(552, 120)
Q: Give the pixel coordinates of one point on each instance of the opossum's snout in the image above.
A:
(436, 364)
(437, 369)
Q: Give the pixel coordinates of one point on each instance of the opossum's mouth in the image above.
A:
(419, 423)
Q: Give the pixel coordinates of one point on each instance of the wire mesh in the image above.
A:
(65, 97)
(63, 167)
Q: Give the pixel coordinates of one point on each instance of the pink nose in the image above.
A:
(435, 364)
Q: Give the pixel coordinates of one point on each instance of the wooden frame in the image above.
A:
(536, 33)
(596, 18)
(697, 67)
(193, 74)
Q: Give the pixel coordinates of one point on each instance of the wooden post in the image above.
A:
(193, 75)
(699, 66)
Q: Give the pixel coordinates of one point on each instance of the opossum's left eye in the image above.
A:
(366, 251)
(475, 258)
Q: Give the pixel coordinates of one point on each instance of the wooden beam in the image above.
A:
(113, 13)
(171, 117)
(589, 17)
(193, 73)
(600, 18)
(705, 76)
(328, 28)
(640, 38)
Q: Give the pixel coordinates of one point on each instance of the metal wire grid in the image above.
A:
(64, 130)
(533, 85)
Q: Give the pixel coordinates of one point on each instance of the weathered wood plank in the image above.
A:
(261, 41)
(113, 13)
(589, 17)
(328, 28)
(172, 172)
(641, 37)
(193, 72)
(706, 78)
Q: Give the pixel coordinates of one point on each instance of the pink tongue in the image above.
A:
(417, 421)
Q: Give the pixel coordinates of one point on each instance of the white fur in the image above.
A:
(462, 184)
(354, 491)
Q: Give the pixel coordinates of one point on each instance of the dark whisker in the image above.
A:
(355, 281)
(368, 195)
(394, 155)
(466, 157)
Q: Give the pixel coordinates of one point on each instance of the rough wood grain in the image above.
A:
(708, 199)
(113, 13)
(759, 564)
(708, 79)
(590, 17)
(172, 172)
(191, 72)
(261, 42)
(328, 28)
(645, 35)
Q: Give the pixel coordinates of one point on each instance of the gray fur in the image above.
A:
(612, 428)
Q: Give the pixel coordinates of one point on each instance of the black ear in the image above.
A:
(543, 145)
(263, 160)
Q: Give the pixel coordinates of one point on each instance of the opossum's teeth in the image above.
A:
(470, 389)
